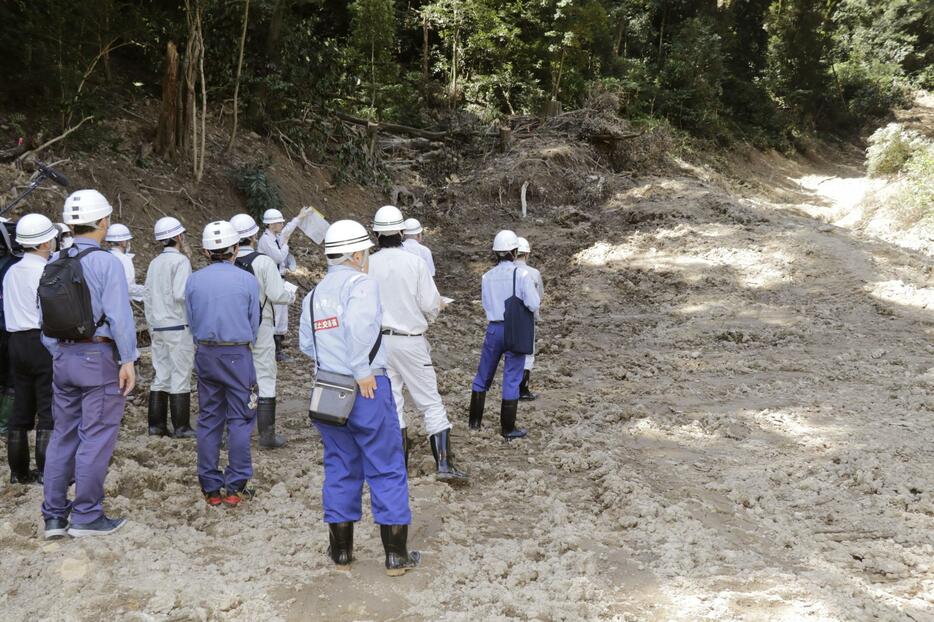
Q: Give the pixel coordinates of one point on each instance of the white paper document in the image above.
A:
(314, 225)
(446, 300)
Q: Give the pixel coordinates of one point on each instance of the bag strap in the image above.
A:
(514, 281)
(78, 257)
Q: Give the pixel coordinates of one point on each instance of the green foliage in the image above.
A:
(692, 77)
(890, 147)
(260, 191)
(763, 69)
(372, 37)
(918, 191)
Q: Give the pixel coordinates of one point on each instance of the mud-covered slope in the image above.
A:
(733, 424)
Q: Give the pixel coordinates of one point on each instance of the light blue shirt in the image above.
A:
(222, 301)
(106, 281)
(496, 287)
(348, 320)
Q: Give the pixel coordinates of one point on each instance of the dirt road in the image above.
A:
(735, 424)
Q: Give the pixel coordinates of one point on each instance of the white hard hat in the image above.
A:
(505, 241)
(346, 236)
(245, 225)
(63, 228)
(219, 235)
(272, 216)
(524, 246)
(167, 228)
(412, 226)
(388, 218)
(34, 229)
(85, 207)
(118, 233)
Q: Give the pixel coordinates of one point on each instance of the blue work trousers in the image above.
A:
(225, 380)
(368, 448)
(493, 349)
(87, 407)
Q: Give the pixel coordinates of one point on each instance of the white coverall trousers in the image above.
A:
(264, 359)
(173, 356)
(408, 365)
(282, 318)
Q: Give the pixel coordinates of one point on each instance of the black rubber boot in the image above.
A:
(445, 470)
(158, 413)
(180, 406)
(406, 446)
(477, 401)
(266, 422)
(395, 543)
(6, 409)
(281, 356)
(524, 393)
(17, 449)
(507, 420)
(42, 444)
(341, 543)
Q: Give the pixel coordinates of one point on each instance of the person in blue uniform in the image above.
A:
(223, 313)
(497, 286)
(91, 379)
(340, 339)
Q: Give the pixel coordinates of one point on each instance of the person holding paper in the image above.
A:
(272, 291)
(274, 243)
(410, 301)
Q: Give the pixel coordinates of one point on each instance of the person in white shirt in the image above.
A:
(173, 351)
(524, 251)
(119, 237)
(64, 240)
(412, 242)
(410, 301)
(30, 360)
(274, 243)
(272, 291)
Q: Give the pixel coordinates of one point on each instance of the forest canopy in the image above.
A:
(766, 70)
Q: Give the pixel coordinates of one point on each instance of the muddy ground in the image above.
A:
(734, 424)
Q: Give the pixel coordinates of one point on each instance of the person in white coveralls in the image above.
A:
(274, 243)
(119, 237)
(173, 351)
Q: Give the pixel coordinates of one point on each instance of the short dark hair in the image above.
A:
(334, 255)
(83, 229)
(222, 254)
(389, 241)
(246, 241)
(171, 242)
(500, 256)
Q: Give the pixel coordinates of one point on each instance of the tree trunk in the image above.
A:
(233, 129)
(166, 136)
(424, 48)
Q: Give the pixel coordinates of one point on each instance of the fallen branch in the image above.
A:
(9, 154)
(49, 143)
(392, 128)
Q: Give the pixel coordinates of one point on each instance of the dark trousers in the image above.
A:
(225, 380)
(32, 382)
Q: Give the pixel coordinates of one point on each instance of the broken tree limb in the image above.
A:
(392, 128)
(525, 205)
(49, 143)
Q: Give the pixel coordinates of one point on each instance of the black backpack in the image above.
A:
(246, 262)
(66, 300)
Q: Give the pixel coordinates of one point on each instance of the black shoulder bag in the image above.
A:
(332, 394)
